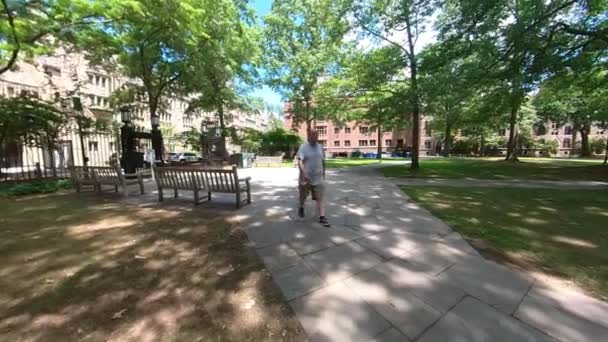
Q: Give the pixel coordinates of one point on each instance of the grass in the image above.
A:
(563, 232)
(345, 163)
(85, 268)
(488, 168)
(41, 186)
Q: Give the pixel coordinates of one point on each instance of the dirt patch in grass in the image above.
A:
(81, 268)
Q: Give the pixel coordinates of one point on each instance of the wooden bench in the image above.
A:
(268, 161)
(179, 178)
(98, 176)
(198, 179)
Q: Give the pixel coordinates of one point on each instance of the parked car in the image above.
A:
(183, 158)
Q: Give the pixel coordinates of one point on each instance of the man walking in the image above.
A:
(311, 162)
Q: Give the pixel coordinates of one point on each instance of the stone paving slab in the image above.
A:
(393, 244)
(474, 321)
(278, 257)
(297, 280)
(565, 315)
(340, 262)
(437, 293)
(336, 313)
(493, 284)
(391, 335)
(395, 303)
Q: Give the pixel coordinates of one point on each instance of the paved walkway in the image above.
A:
(514, 183)
(390, 271)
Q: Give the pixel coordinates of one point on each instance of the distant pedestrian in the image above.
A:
(311, 162)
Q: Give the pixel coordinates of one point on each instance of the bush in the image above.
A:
(34, 187)
(598, 145)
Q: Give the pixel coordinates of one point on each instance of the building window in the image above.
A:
(427, 144)
(372, 143)
(363, 130)
(388, 142)
(399, 142)
(372, 130)
(568, 130)
(336, 143)
(93, 146)
(336, 130)
(322, 142)
(112, 146)
(427, 132)
(566, 143)
(502, 132)
(362, 142)
(553, 125)
(322, 130)
(10, 91)
(347, 130)
(346, 143)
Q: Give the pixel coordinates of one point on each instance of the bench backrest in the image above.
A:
(222, 180)
(81, 174)
(107, 174)
(185, 178)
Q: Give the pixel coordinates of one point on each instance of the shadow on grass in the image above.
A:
(560, 232)
(83, 267)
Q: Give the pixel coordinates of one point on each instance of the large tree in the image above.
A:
(449, 85)
(224, 65)
(399, 23)
(368, 89)
(303, 40)
(516, 39)
(30, 28)
(152, 42)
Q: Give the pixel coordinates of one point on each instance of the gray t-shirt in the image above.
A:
(312, 157)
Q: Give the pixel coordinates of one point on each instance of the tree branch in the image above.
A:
(17, 47)
(376, 34)
(599, 35)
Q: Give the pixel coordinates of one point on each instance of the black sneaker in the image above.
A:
(301, 212)
(323, 221)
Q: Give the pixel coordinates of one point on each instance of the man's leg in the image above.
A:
(303, 189)
(320, 194)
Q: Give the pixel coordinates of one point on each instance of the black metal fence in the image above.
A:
(27, 160)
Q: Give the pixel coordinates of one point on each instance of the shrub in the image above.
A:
(34, 187)
(598, 145)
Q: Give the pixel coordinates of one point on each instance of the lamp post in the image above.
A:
(127, 140)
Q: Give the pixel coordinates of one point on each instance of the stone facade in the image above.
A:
(72, 72)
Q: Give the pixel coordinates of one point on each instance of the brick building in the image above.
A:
(350, 137)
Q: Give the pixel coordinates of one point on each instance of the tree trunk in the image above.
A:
(222, 148)
(482, 146)
(85, 160)
(511, 147)
(585, 149)
(606, 153)
(573, 144)
(308, 118)
(379, 155)
(447, 144)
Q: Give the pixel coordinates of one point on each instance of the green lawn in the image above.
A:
(344, 163)
(564, 232)
(492, 168)
(92, 268)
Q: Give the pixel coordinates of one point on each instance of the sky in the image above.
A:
(270, 96)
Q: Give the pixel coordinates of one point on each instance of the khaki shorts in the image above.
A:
(318, 192)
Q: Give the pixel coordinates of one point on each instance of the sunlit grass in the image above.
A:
(559, 231)
(497, 169)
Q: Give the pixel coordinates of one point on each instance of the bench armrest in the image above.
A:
(246, 179)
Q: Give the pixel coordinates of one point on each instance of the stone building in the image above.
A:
(67, 72)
